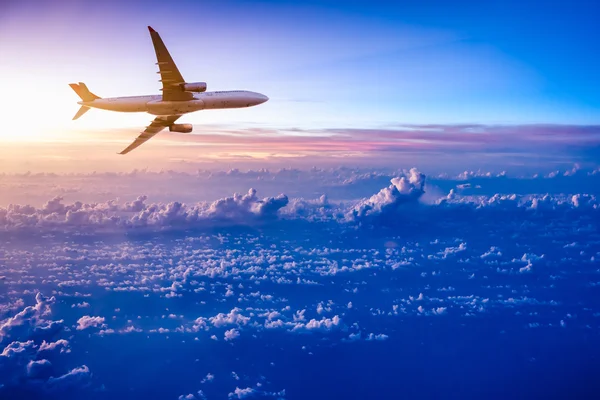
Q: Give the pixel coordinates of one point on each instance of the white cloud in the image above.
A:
(61, 344)
(233, 317)
(31, 320)
(231, 334)
(242, 393)
(324, 324)
(379, 337)
(208, 378)
(77, 377)
(22, 360)
(389, 201)
(87, 321)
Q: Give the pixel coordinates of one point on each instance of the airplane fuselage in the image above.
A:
(155, 105)
(178, 97)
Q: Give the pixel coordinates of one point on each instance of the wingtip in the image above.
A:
(151, 29)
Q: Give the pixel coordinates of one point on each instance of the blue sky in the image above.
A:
(329, 63)
(329, 68)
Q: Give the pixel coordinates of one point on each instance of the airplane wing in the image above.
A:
(156, 126)
(169, 74)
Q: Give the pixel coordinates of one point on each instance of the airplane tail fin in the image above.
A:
(83, 92)
(81, 111)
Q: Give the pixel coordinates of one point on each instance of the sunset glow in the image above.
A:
(313, 84)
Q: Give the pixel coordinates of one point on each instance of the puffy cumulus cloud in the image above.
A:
(378, 337)
(208, 378)
(314, 210)
(516, 206)
(388, 202)
(243, 393)
(324, 324)
(14, 360)
(249, 392)
(231, 318)
(77, 377)
(391, 205)
(39, 369)
(137, 205)
(237, 209)
(86, 322)
(25, 345)
(231, 334)
(61, 344)
(31, 321)
(584, 201)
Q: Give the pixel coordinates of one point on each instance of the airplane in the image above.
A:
(178, 97)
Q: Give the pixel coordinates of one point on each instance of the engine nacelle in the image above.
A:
(181, 128)
(196, 87)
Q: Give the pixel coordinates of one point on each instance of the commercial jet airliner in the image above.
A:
(178, 98)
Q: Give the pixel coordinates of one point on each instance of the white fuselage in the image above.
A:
(153, 104)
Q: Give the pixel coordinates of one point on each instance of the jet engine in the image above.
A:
(194, 87)
(181, 128)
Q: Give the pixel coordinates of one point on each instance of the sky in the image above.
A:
(414, 214)
(325, 65)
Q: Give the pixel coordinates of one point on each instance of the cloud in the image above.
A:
(54, 215)
(16, 349)
(231, 318)
(242, 393)
(31, 321)
(379, 337)
(268, 271)
(240, 207)
(208, 378)
(324, 324)
(61, 344)
(400, 202)
(420, 143)
(249, 392)
(313, 195)
(22, 361)
(76, 378)
(39, 369)
(388, 203)
(14, 359)
(84, 304)
(231, 334)
(86, 322)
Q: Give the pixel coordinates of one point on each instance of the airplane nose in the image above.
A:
(262, 98)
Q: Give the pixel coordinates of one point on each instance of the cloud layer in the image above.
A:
(405, 198)
(26, 339)
(428, 146)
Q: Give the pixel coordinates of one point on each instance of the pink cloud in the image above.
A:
(292, 146)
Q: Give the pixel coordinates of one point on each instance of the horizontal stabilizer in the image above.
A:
(81, 111)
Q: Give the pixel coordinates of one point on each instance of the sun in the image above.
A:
(42, 119)
(30, 117)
